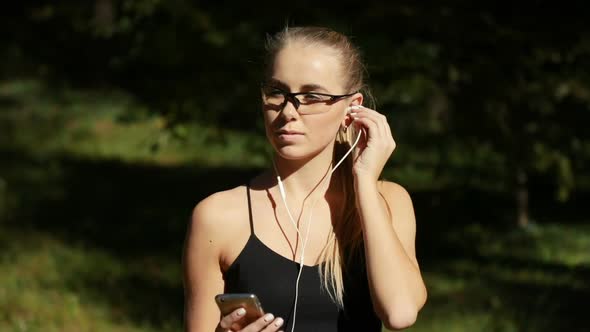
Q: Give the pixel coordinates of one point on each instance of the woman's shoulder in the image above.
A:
(393, 190)
(222, 212)
(396, 197)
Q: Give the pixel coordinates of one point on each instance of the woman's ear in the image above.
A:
(347, 121)
(355, 100)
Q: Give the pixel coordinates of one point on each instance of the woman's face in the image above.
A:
(300, 68)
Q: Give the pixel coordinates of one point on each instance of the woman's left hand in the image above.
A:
(375, 145)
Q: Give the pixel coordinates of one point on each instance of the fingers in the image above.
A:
(266, 323)
(274, 325)
(375, 122)
(228, 321)
(360, 112)
(371, 118)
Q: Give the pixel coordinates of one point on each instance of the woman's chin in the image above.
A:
(296, 152)
(292, 152)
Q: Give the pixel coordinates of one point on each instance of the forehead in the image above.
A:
(298, 65)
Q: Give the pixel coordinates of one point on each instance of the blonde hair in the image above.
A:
(346, 237)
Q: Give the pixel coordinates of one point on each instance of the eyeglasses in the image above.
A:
(313, 101)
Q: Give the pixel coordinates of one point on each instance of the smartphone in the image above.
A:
(229, 302)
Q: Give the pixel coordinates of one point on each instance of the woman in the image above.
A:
(352, 235)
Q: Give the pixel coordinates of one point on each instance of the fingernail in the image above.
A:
(279, 322)
(241, 311)
(353, 114)
(268, 317)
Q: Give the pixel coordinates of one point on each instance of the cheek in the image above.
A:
(272, 122)
(268, 120)
(269, 116)
(326, 128)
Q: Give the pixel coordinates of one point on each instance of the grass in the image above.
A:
(49, 285)
(94, 196)
(112, 125)
(506, 281)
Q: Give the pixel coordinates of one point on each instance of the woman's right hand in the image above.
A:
(266, 323)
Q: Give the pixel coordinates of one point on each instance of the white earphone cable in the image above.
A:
(304, 240)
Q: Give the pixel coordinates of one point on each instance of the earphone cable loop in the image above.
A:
(300, 237)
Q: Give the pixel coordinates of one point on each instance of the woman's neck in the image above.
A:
(306, 176)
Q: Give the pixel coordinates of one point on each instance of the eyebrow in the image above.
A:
(306, 87)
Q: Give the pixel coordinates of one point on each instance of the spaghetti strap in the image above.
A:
(250, 210)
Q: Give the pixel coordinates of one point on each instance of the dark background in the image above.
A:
(116, 117)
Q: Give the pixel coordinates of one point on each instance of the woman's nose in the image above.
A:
(290, 107)
(296, 103)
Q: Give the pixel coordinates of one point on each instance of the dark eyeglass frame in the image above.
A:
(291, 96)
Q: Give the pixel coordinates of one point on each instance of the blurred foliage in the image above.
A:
(47, 285)
(476, 93)
(45, 121)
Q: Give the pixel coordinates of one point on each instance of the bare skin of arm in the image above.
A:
(389, 229)
(389, 226)
(202, 274)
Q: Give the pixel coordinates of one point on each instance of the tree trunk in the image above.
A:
(522, 199)
(104, 15)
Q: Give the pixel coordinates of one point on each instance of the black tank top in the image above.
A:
(260, 270)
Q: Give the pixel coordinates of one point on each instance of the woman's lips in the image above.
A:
(289, 135)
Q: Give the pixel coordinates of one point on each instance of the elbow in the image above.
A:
(400, 318)
(402, 314)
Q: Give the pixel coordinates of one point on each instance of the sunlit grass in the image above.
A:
(48, 285)
(563, 243)
(480, 291)
(113, 125)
